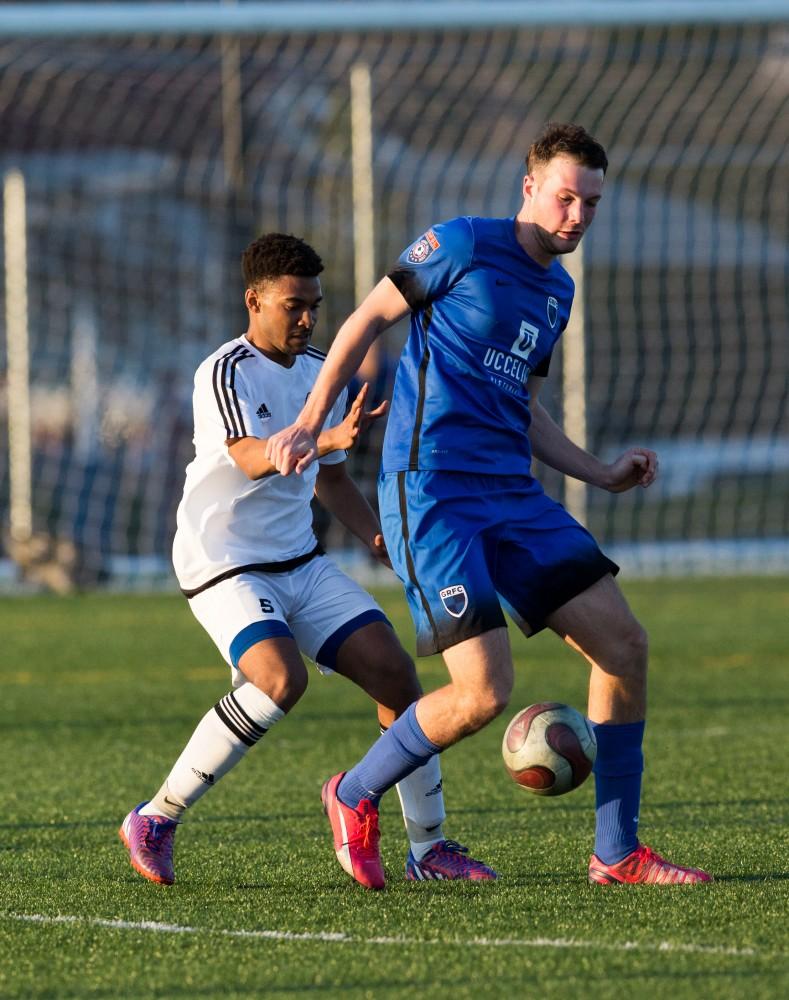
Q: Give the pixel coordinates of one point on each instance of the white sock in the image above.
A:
(422, 801)
(223, 736)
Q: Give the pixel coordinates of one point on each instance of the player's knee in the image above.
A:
(290, 690)
(498, 701)
(638, 646)
(476, 709)
(284, 687)
(632, 651)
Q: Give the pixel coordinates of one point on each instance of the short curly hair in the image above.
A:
(274, 255)
(557, 139)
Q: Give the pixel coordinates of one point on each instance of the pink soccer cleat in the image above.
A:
(447, 859)
(644, 866)
(149, 840)
(356, 836)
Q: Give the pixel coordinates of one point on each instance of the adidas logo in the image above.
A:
(434, 791)
(208, 779)
(263, 412)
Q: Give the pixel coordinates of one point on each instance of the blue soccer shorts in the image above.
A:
(465, 544)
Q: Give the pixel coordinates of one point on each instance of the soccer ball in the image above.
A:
(549, 748)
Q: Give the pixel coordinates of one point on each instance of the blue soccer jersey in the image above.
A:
(485, 317)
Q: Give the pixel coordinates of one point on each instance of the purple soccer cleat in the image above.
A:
(149, 840)
(447, 859)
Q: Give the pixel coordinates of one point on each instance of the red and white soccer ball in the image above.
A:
(549, 748)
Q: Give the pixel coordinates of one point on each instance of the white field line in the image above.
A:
(341, 938)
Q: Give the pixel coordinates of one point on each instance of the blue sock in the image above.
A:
(394, 755)
(617, 773)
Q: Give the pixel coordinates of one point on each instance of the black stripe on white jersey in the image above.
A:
(219, 392)
(225, 390)
(233, 394)
(237, 720)
(313, 352)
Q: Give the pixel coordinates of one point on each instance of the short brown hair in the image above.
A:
(557, 139)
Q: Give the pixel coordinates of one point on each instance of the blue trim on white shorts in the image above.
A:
(254, 633)
(327, 654)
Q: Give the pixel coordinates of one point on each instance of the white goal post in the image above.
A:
(146, 144)
(44, 19)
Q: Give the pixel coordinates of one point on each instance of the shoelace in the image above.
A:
(453, 847)
(370, 832)
(451, 855)
(156, 836)
(659, 870)
(646, 865)
(367, 834)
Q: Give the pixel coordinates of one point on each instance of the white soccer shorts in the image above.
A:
(316, 604)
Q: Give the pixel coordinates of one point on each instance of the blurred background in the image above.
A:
(140, 156)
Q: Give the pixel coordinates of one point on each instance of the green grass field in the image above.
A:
(100, 693)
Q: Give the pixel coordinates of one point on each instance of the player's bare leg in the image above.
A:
(481, 678)
(373, 658)
(275, 667)
(599, 624)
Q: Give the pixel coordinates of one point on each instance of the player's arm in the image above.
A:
(294, 447)
(340, 495)
(635, 467)
(249, 453)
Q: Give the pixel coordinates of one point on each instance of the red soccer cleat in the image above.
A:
(356, 836)
(646, 867)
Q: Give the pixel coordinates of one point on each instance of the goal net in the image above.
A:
(150, 159)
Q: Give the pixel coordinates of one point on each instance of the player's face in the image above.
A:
(560, 200)
(282, 316)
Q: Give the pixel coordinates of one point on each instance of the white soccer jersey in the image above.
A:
(226, 521)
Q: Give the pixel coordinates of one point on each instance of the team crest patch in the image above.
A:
(454, 599)
(423, 247)
(553, 311)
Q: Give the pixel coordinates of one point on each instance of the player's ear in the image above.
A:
(251, 299)
(528, 185)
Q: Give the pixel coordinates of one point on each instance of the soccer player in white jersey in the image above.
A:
(467, 526)
(257, 580)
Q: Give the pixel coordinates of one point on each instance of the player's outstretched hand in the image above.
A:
(358, 419)
(292, 449)
(636, 467)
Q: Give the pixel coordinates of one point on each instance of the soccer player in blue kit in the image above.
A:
(466, 525)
